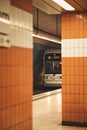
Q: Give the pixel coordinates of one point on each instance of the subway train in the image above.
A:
(52, 68)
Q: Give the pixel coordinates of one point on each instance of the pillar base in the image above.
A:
(81, 124)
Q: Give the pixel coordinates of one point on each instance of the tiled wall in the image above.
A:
(74, 68)
(16, 72)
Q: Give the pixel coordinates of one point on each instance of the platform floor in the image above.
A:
(47, 112)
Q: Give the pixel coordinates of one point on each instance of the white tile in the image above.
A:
(85, 52)
(72, 43)
(81, 52)
(12, 15)
(68, 44)
(76, 52)
(80, 42)
(63, 45)
(85, 42)
(63, 52)
(12, 34)
(30, 21)
(72, 52)
(76, 43)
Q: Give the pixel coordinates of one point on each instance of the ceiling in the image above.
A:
(47, 18)
(50, 7)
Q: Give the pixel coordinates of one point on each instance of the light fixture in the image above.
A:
(64, 5)
(46, 38)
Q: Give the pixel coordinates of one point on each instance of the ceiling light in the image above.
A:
(64, 5)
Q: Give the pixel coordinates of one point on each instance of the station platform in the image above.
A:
(47, 112)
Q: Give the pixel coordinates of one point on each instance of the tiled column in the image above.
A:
(74, 69)
(16, 70)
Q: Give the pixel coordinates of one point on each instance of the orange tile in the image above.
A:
(85, 70)
(68, 89)
(76, 71)
(81, 88)
(63, 70)
(80, 80)
(68, 71)
(63, 80)
(72, 79)
(63, 89)
(68, 99)
(72, 61)
(68, 80)
(85, 117)
(72, 106)
(68, 116)
(16, 56)
(76, 61)
(81, 70)
(12, 116)
(64, 116)
(81, 117)
(76, 31)
(85, 89)
(72, 17)
(68, 61)
(72, 89)
(72, 71)
(85, 61)
(68, 107)
(76, 24)
(77, 98)
(68, 16)
(85, 80)
(81, 107)
(72, 34)
(85, 98)
(76, 79)
(72, 117)
(81, 24)
(81, 61)
(81, 33)
(76, 108)
(76, 117)
(63, 62)
(85, 108)
(85, 24)
(68, 34)
(22, 126)
(72, 24)
(85, 33)
(64, 107)
(64, 98)
(72, 98)
(77, 90)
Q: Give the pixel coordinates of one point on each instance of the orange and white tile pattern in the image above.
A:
(16, 70)
(74, 67)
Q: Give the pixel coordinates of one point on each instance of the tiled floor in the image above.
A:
(47, 112)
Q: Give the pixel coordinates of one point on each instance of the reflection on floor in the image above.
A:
(47, 112)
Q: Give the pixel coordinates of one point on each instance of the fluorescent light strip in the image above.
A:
(64, 5)
(44, 38)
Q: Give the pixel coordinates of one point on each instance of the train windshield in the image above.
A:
(53, 63)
